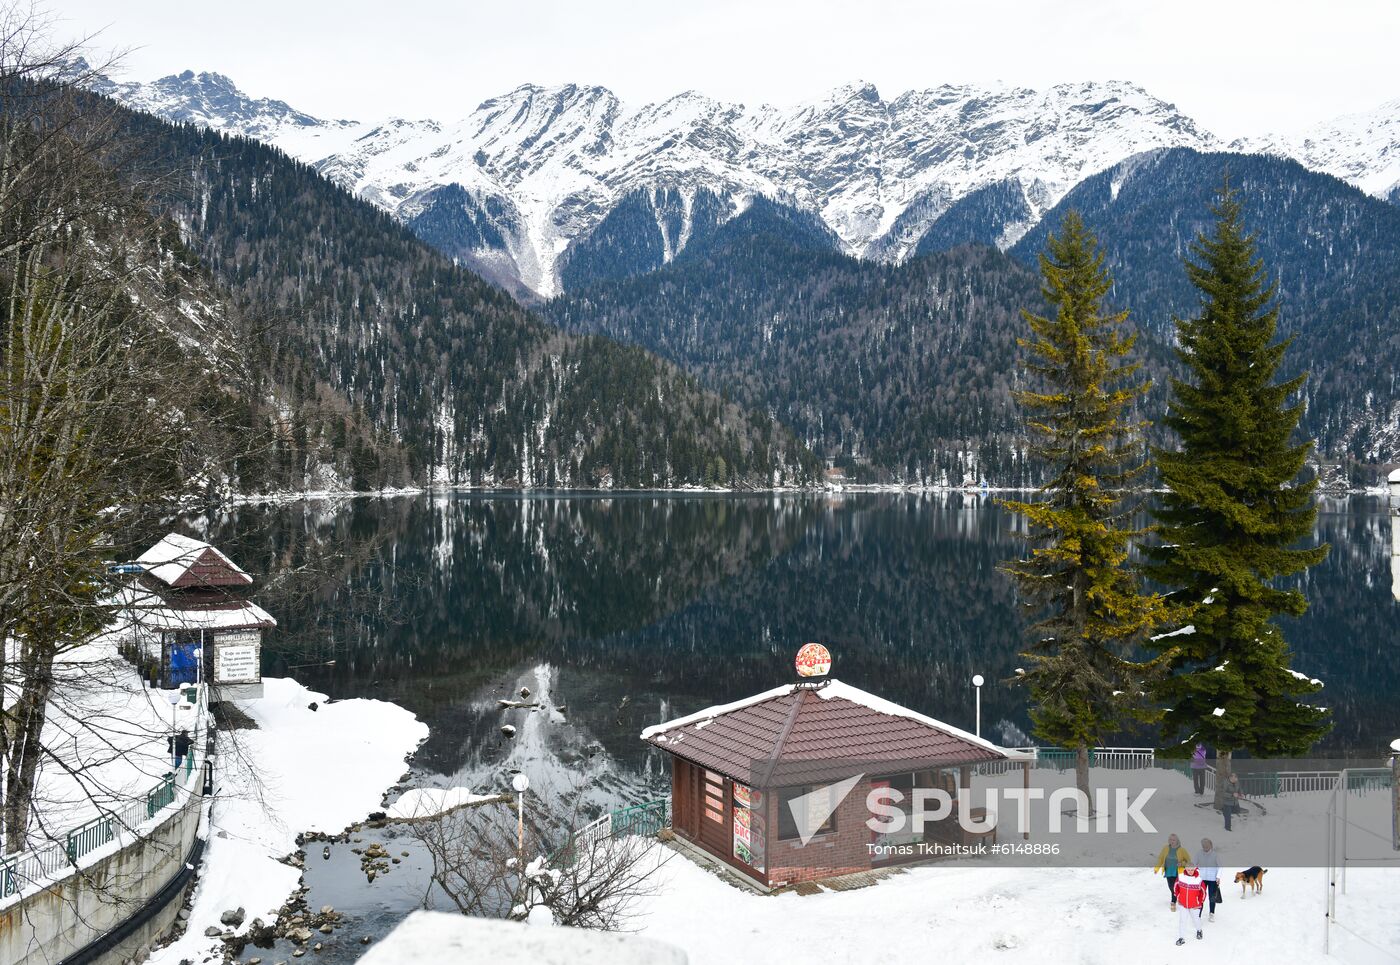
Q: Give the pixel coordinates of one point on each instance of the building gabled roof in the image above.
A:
(149, 611)
(180, 562)
(801, 734)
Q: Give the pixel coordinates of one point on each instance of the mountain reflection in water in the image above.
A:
(626, 610)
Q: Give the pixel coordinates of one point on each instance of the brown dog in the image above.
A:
(1251, 879)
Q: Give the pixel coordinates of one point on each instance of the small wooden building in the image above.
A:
(188, 602)
(736, 770)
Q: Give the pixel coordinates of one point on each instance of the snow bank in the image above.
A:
(438, 938)
(426, 802)
(301, 770)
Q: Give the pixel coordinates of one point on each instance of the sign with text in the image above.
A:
(237, 657)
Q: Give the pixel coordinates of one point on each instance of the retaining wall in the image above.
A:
(59, 923)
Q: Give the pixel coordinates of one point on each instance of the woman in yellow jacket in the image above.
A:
(1172, 858)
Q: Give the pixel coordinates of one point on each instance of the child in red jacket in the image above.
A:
(1190, 901)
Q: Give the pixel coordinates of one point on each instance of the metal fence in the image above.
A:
(50, 861)
(645, 819)
(1063, 759)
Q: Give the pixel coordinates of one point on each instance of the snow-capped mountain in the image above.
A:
(1361, 148)
(509, 187)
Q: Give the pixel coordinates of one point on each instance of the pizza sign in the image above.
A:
(813, 660)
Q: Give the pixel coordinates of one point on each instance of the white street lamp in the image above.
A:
(977, 682)
(1393, 484)
(521, 783)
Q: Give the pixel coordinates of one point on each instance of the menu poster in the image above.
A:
(749, 840)
(742, 825)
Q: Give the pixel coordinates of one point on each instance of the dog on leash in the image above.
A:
(1251, 879)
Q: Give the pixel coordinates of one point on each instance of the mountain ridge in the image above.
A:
(551, 163)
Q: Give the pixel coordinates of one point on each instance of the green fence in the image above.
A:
(644, 819)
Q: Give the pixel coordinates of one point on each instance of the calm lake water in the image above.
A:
(638, 607)
(618, 612)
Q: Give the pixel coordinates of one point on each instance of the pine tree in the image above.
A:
(1234, 513)
(1090, 610)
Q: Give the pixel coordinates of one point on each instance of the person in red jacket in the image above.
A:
(1190, 900)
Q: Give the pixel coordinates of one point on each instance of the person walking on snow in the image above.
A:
(1198, 769)
(1234, 799)
(1171, 858)
(179, 745)
(1190, 899)
(1209, 864)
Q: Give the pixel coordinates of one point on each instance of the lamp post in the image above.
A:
(1393, 483)
(521, 783)
(977, 682)
(1395, 793)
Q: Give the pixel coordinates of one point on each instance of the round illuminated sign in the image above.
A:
(520, 782)
(813, 660)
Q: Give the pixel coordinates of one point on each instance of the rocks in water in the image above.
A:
(508, 730)
(327, 910)
(301, 934)
(326, 853)
(365, 939)
(524, 692)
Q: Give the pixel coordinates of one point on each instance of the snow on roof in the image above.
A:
(1394, 476)
(832, 689)
(149, 611)
(171, 559)
(440, 938)
(709, 713)
(880, 705)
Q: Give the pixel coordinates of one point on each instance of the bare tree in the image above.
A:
(590, 880)
(100, 380)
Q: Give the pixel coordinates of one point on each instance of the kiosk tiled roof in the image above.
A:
(799, 734)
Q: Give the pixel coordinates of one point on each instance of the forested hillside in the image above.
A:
(906, 369)
(471, 387)
(1334, 250)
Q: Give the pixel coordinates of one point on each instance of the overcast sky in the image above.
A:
(1236, 66)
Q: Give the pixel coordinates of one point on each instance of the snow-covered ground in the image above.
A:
(1105, 905)
(108, 733)
(301, 770)
(1033, 915)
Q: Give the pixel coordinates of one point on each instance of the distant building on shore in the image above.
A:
(188, 607)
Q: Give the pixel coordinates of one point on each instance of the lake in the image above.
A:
(626, 610)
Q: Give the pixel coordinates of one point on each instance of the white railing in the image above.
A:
(1125, 758)
(1060, 758)
(1294, 782)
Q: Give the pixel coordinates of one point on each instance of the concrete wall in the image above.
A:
(63, 919)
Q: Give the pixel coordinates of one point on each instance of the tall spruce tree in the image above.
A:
(1234, 514)
(1089, 609)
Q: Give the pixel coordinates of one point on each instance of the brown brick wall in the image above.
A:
(844, 851)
